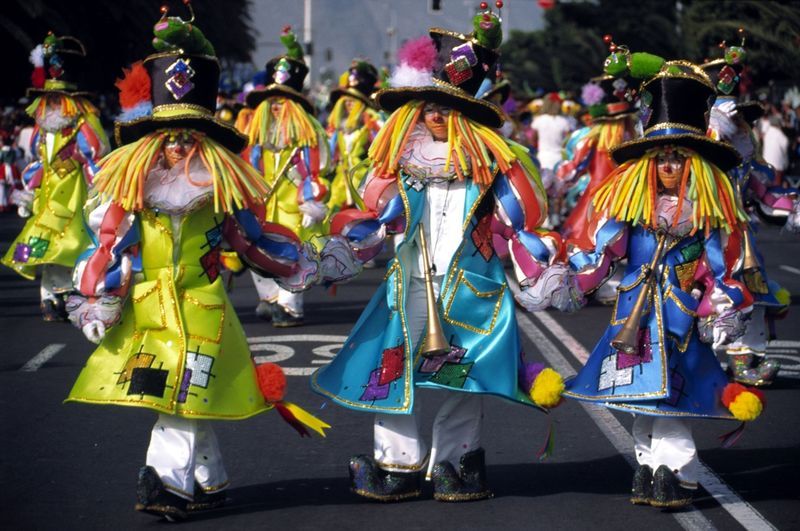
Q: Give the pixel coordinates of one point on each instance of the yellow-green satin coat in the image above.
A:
(55, 231)
(175, 320)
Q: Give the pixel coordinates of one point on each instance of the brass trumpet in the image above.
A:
(434, 343)
(627, 339)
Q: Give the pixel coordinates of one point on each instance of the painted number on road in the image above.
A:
(275, 349)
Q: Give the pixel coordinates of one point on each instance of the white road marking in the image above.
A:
(790, 269)
(42, 357)
(282, 352)
(743, 512)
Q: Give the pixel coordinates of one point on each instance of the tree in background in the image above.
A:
(115, 34)
(570, 50)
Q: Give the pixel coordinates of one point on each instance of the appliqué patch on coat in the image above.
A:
(453, 374)
(148, 381)
(200, 364)
(482, 237)
(677, 383)
(692, 251)
(375, 391)
(644, 355)
(391, 365)
(685, 273)
(434, 364)
(611, 377)
(211, 263)
(38, 246)
(140, 360)
(22, 253)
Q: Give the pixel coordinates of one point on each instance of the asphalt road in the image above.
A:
(74, 466)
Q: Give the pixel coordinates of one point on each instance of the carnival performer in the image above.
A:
(444, 317)
(67, 141)
(729, 121)
(290, 148)
(353, 123)
(672, 211)
(611, 102)
(10, 180)
(169, 201)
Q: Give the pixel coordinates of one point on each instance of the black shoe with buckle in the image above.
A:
(283, 319)
(467, 485)
(154, 498)
(642, 489)
(205, 501)
(667, 490)
(368, 480)
(264, 310)
(54, 310)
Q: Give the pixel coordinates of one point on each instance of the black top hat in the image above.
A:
(462, 66)
(286, 75)
(361, 79)
(679, 99)
(183, 90)
(64, 67)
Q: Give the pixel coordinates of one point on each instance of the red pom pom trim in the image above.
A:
(732, 390)
(271, 382)
(38, 77)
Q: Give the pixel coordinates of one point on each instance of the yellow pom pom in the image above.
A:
(746, 406)
(547, 388)
(783, 296)
(231, 261)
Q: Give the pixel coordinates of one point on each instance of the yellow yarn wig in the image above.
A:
(629, 193)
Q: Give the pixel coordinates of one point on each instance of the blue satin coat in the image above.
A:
(674, 373)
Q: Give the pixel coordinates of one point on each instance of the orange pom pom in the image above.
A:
(271, 381)
(134, 88)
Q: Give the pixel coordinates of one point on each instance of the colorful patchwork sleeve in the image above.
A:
(32, 174)
(520, 207)
(384, 213)
(105, 268)
(592, 268)
(774, 202)
(579, 150)
(92, 146)
(721, 254)
(269, 249)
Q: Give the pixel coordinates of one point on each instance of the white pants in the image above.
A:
(754, 340)
(666, 441)
(56, 279)
(183, 451)
(269, 291)
(457, 427)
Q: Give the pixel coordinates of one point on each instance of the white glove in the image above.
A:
(728, 326)
(793, 219)
(94, 331)
(338, 261)
(23, 199)
(556, 287)
(313, 213)
(723, 119)
(307, 273)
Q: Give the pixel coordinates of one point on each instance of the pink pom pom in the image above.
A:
(592, 94)
(419, 53)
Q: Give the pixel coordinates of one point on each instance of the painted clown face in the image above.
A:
(177, 146)
(436, 120)
(669, 165)
(275, 107)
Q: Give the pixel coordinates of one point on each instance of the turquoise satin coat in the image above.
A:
(379, 366)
